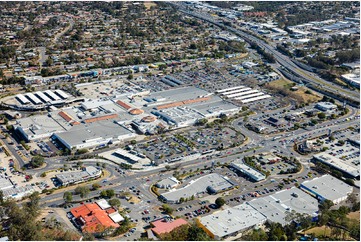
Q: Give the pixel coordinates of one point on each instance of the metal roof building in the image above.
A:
(338, 164)
(276, 207)
(22, 99)
(33, 98)
(231, 221)
(80, 176)
(93, 134)
(327, 187)
(43, 97)
(52, 95)
(212, 183)
(248, 171)
(62, 94)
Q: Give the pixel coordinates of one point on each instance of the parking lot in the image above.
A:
(191, 143)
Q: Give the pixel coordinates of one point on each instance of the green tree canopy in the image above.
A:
(83, 191)
(68, 197)
(36, 161)
(220, 201)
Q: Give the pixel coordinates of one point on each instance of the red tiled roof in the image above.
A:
(65, 116)
(124, 105)
(181, 103)
(93, 217)
(162, 226)
(110, 116)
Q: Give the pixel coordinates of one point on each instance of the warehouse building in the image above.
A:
(278, 207)
(327, 187)
(94, 134)
(231, 221)
(255, 175)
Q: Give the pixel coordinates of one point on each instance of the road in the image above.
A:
(284, 61)
(12, 150)
(138, 179)
(42, 55)
(69, 27)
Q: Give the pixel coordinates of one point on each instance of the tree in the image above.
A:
(83, 191)
(350, 181)
(107, 193)
(275, 231)
(32, 206)
(82, 151)
(167, 209)
(220, 201)
(37, 161)
(167, 167)
(88, 237)
(341, 142)
(202, 121)
(186, 232)
(114, 202)
(197, 234)
(321, 115)
(256, 235)
(325, 205)
(96, 186)
(130, 77)
(68, 197)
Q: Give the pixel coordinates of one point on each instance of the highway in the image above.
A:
(313, 80)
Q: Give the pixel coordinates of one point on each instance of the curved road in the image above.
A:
(283, 60)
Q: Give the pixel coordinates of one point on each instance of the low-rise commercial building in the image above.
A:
(248, 171)
(352, 79)
(5, 183)
(169, 182)
(278, 207)
(89, 172)
(91, 218)
(350, 170)
(327, 187)
(166, 225)
(231, 221)
(212, 183)
(325, 106)
(18, 192)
